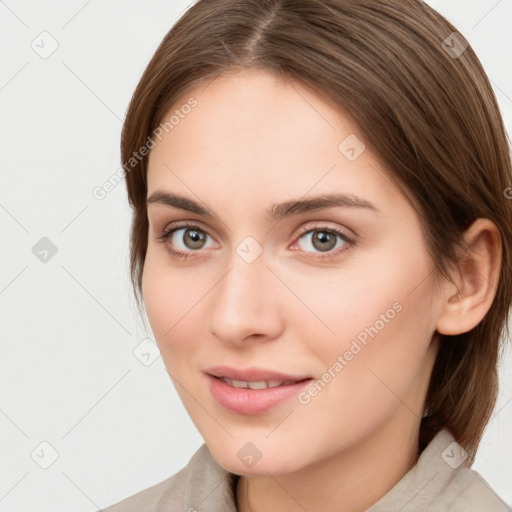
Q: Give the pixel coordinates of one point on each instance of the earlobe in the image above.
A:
(472, 292)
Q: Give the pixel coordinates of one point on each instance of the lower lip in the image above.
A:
(252, 401)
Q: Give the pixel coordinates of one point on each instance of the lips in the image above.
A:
(252, 390)
(253, 374)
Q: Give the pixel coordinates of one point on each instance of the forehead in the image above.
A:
(248, 113)
(253, 136)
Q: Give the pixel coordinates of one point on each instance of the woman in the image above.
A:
(322, 242)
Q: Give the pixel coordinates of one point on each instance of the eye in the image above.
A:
(183, 240)
(326, 240)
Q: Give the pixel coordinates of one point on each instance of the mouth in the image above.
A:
(253, 374)
(253, 391)
(257, 384)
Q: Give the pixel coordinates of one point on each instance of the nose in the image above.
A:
(246, 304)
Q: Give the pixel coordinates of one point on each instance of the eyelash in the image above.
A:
(349, 241)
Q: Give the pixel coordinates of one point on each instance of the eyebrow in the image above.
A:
(276, 211)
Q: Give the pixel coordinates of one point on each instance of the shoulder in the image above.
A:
(478, 495)
(201, 479)
(441, 481)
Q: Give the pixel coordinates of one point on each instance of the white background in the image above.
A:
(69, 326)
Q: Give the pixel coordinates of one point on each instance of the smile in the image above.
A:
(252, 397)
(257, 384)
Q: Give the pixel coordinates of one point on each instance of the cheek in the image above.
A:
(364, 293)
(375, 314)
(170, 299)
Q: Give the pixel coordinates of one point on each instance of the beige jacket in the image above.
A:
(437, 483)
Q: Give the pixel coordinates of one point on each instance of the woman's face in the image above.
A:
(336, 298)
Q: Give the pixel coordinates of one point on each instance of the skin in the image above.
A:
(254, 140)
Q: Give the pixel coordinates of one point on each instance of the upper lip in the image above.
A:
(252, 374)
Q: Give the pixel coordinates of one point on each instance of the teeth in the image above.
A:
(257, 384)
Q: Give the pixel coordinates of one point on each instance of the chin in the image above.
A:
(255, 458)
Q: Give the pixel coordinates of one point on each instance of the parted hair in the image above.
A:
(423, 104)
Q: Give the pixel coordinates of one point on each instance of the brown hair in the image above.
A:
(428, 114)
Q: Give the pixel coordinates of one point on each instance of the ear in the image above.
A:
(472, 292)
